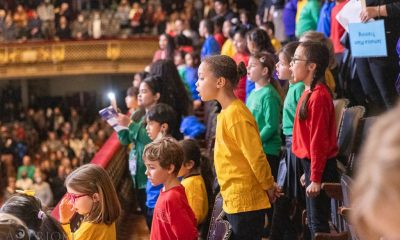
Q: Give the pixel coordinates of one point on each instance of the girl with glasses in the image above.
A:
(314, 131)
(90, 193)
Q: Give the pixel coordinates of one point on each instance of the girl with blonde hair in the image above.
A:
(91, 193)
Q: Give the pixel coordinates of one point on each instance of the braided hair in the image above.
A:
(224, 66)
(316, 53)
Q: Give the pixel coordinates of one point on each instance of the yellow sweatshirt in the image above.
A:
(196, 194)
(242, 168)
(92, 231)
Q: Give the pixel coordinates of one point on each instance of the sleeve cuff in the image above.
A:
(268, 183)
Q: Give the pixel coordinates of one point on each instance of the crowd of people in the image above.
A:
(274, 76)
(40, 150)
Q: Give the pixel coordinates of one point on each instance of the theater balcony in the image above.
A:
(50, 59)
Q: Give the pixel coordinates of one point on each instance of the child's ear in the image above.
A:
(171, 168)
(221, 82)
(265, 71)
(157, 97)
(96, 197)
(189, 164)
(312, 66)
(164, 127)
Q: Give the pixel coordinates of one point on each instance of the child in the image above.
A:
(228, 49)
(283, 227)
(242, 169)
(91, 193)
(332, 71)
(293, 95)
(195, 187)
(210, 45)
(161, 122)
(270, 29)
(173, 218)
(259, 41)
(29, 209)
(131, 99)
(192, 61)
(167, 48)
(149, 95)
(179, 61)
(314, 131)
(241, 55)
(375, 193)
(265, 104)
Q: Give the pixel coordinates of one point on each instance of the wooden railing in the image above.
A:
(40, 59)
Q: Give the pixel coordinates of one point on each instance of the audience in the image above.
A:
(40, 147)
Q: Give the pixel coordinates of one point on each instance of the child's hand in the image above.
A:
(66, 210)
(303, 180)
(274, 193)
(123, 120)
(313, 189)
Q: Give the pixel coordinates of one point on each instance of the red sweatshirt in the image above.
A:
(240, 91)
(173, 219)
(315, 138)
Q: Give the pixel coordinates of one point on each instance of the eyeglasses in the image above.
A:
(295, 60)
(73, 196)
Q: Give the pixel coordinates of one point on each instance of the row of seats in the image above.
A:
(352, 131)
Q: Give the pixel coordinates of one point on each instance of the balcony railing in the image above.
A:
(39, 59)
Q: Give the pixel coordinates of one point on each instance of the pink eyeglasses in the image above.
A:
(73, 196)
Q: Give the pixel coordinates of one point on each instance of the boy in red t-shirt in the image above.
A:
(172, 218)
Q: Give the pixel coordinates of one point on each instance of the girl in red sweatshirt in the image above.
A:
(314, 131)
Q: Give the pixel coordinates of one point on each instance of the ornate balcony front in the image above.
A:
(49, 59)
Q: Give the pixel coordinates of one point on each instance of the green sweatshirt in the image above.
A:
(265, 104)
(289, 106)
(136, 135)
(308, 17)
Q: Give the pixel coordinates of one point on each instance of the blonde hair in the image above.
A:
(314, 36)
(90, 179)
(377, 182)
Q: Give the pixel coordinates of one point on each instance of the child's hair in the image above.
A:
(192, 152)
(29, 210)
(173, 91)
(12, 227)
(224, 66)
(270, 26)
(377, 178)
(154, 83)
(316, 53)
(288, 50)
(261, 39)
(170, 49)
(180, 54)
(209, 25)
(90, 179)
(195, 57)
(242, 31)
(132, 91)
(166, 151)
(268, 60)
(163, 113)
(319, 37)
(218, 23)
